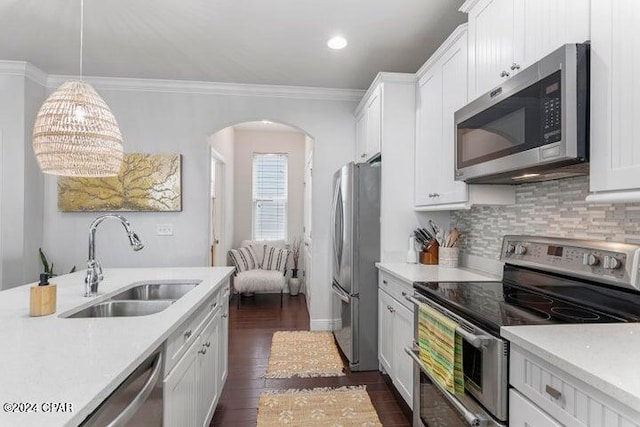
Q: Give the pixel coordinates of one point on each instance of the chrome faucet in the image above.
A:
(94, 269)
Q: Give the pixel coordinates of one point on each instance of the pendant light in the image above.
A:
(75, 132)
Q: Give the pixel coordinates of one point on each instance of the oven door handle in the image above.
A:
(478, 341)
(474, 420)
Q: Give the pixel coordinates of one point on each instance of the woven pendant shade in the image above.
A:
(75, 133)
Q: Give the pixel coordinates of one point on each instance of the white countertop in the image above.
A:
(601, 355)
(433, 273)
(81, 361)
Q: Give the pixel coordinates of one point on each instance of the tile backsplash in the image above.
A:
(552, 208)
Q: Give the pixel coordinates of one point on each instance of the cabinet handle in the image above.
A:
(515, 66)
(225, 315)
(504, 74)
(552, 392)
(363, 155)
(391, 309)
(436, 195)
(203, 351)
(385, 282)
(431, 196)
(213, 305)
(207, 344)
(187, 334)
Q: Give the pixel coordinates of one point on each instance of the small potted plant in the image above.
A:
(294, 280)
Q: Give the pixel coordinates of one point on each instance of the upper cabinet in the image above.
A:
(506, 36)
(385, 125)
(369, 125)
(615, 90)
(441, 91)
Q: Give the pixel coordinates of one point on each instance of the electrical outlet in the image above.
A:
(164, 229)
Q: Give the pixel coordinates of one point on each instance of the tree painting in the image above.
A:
(146, 182)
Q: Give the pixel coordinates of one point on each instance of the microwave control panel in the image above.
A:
(551, 109)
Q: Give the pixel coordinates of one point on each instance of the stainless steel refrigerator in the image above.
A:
(356, 248)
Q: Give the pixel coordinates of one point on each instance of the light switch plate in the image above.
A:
(164, 229)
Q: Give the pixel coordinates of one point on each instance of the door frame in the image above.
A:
(220, 199)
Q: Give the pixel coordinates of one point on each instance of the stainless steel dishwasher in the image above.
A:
(136, 402)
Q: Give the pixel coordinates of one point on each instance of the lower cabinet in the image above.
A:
(193, 385)
(523, 413)
(395, 329)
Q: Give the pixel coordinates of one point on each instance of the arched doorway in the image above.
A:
(243, 208)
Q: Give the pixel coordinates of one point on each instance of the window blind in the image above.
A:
(269, 196)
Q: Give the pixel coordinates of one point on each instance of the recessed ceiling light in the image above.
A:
(267, 122)
(337, 42)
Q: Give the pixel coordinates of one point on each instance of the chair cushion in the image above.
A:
(275, 259)
(259, 280)
(259, 246)
(244, 259)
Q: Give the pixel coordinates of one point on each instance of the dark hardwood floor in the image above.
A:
(250, 330)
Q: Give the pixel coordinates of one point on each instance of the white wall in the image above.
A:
(173, 121)
(21, 180)
(223, 144)
(249, 142)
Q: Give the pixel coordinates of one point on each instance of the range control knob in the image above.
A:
(511, 248)
(521, 250)
(611, 263)
(590, 260)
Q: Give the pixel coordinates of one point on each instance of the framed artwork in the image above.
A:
(146, 183)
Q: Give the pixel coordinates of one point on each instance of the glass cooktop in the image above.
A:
(532, 298)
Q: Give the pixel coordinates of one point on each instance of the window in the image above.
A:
(269, 196)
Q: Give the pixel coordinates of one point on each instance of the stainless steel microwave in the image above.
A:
(534, 127)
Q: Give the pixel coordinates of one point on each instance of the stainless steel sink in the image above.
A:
(123, 309)
(156, 291)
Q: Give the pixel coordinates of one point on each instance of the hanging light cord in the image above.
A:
(81, 33)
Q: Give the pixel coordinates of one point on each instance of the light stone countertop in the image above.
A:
(81, 361)
(601, 355)
(411, 273)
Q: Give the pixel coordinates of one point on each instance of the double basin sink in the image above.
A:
(140, 300)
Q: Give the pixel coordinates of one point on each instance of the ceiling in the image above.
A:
(280, 42)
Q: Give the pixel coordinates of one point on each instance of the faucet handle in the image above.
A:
(99, 270)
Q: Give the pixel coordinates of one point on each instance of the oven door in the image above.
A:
(484, 365)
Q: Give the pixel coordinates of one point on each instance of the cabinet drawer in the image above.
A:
(185, 335)
(523, 413)
(565, 398)
(396, 288)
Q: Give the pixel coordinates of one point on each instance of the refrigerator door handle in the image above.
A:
(340, 293)
(337, 239)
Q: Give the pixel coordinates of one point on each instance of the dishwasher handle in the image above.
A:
(138, 401)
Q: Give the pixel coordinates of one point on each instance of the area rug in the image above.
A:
(320, 407)
(303, 354)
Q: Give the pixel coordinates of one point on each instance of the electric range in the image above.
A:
(545, 281)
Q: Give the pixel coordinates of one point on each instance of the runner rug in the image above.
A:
(303, 354)
(320, 407)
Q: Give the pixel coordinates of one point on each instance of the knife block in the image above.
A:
(430, 257)
(42, 300)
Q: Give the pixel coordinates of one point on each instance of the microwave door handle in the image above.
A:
(478, 341)
(474, 420)
(122, 419)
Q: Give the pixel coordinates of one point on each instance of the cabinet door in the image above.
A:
(374, 123)
(523, 413)
(223, 348)
(428, 137)
(615, 91)
(545, 25)
(491, 44)
(385, 331)
(181, 404)
(208, 369)
(361, 136)
(454, 96)
(403, 364)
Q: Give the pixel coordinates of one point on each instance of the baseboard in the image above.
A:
(323, 324)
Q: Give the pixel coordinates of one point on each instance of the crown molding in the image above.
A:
(459, 32)
(468, 5)
(383, 77)
(24, 69)
(213, 88)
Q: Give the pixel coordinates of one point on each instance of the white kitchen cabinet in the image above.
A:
(389, 121)
(395, 332)
(208, 381)
(506, 36)
(546, 396)
(523, 413)
(442, 90)
(385, 331)
(181, 404)
(615, 90)
(194, 381)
